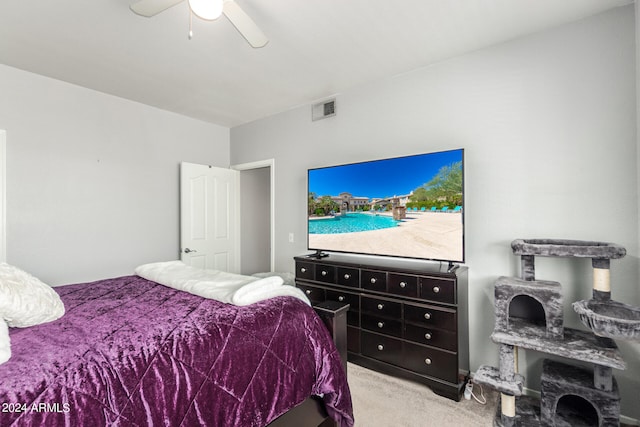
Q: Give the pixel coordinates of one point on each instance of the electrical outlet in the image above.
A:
(290, 237)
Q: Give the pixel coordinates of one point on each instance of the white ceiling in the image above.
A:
(317, 48)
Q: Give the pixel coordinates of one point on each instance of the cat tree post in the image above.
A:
(508, 370)
(601, 279)
(527, 267)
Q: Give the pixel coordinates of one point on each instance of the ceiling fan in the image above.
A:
(208, 10)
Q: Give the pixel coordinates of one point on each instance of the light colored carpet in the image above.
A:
(383, 401)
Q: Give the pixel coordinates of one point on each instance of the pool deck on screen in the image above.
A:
(436, 234)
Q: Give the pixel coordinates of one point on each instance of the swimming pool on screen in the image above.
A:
(351, 223)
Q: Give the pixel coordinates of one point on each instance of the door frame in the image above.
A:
(268, 163)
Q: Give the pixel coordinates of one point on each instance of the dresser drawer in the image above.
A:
(400, 284)
(382, 348)
(431, 316)
(325, 273)
(314, 293)
(381, 307)
(374, 280)
(349, 298)
(304, 270)
(432, 362)
(438, 289)
(446, 340)
(348, 277)
(382, 325)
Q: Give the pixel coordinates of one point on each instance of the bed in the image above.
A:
(132, 352)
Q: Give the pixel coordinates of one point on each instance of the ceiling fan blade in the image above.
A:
(244, 24)
(151, 8)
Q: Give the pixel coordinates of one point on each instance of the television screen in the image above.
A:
(411, 207)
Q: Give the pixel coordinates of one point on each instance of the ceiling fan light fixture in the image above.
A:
(206, 9)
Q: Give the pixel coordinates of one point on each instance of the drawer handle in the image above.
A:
(380, 306)
(373, 280)
(347, 276)
(427, 336)
(403, 284)
(308, 292)
(427, 361)
(324, 273)
(303, 270)
(436, 289)
(427, 315)
(340, 298)
(380, 347)
(380, 325)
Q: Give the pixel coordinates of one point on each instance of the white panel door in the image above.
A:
(209, 217)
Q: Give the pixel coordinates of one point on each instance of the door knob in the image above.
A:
(187, 250)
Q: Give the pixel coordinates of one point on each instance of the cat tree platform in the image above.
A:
(574, 344)
(567, 248)
(492, 377)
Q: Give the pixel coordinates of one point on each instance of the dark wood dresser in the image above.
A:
(405, 319)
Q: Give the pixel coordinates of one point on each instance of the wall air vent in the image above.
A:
(323, 109)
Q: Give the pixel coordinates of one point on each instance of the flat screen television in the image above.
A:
(409, 207)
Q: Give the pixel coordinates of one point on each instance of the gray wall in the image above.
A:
(92, 179)
(255, 220)
(548, 124)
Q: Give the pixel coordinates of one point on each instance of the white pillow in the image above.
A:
(25, 300)
(5, 344)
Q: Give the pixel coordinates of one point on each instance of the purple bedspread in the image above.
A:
(130, 352)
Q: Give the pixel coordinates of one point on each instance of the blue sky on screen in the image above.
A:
(380, 178)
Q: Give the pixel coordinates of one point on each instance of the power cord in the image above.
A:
(468, 393)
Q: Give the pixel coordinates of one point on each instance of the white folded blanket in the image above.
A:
(225, 287)
(5, 343)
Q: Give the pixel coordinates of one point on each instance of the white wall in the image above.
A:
(92, 179)
(548, 124)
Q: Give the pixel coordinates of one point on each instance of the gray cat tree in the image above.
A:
(564, 387)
